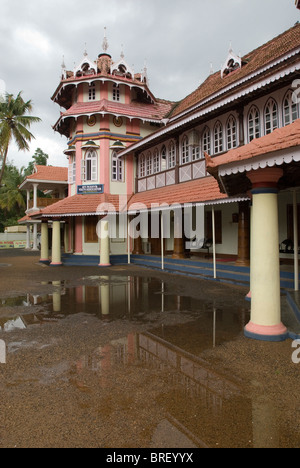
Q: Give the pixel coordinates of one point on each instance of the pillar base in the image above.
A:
(104, 265)
(45, 262)
(56, 264)
(266, 333)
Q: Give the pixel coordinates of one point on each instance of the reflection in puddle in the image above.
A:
(143, 300)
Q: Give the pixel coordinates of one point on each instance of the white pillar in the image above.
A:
(44, 243)
(56, 244)
(28, 198)
(35, 187)
(28, 245)
(35, 247)
(104, 244)
(265, 323)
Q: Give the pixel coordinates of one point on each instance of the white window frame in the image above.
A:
(156, 162)
(231, 132)
(116, 92)
(172, 155)
(89, 168)
(117, 168)
(149, 164)
(254, 129)
(163, 157)
(185, 150)
(218, 138)
(206, 141)
(72, 170)
(92, 92)
(290, 109)
(271, 116)
(142, 166)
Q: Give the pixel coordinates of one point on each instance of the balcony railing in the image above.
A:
(43, 202)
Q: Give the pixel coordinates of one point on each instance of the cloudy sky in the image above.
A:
(177, 38)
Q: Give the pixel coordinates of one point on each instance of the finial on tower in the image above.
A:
(105, 41)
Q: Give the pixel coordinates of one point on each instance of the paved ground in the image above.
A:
(61, 387)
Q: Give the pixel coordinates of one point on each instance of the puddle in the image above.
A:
(142, 300)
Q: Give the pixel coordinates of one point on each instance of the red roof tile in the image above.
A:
(280, 139)
(84, 204)
(206, 190)
(148, 111)
(50, 173)
(253, 61)
(203, 190)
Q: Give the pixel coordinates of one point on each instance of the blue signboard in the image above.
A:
(93, 189)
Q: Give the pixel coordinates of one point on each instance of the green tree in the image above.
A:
(39, 158)
(12, 200)
(14, 124)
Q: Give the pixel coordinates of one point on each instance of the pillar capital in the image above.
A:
(265, 178)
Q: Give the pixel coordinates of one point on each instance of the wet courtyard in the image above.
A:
(128, 358)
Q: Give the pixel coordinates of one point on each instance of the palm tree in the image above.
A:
(15, 124)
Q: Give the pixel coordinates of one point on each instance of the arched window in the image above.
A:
(206, 141)
(290, 109)
(218, 138)
(271, 116)
(156, 162)
(92, 92)
(116, 92)
(117, 168)
(142, 166)
(185, 153)
(172, 155)
(90, 167)
(253, 123)
(149, 164)
(231, 133)
(163, 158)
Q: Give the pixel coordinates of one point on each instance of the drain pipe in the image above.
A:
(128, 240)
(214, 241)
(296, 255)
(162, 241)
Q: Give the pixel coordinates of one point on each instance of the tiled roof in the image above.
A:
(280, 139)
(50, 173)
(83, 205)
(201, 191)
(252, 62)
(148, 111)
(206, 190)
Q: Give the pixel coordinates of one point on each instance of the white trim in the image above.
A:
(201, 113)
(277, 158)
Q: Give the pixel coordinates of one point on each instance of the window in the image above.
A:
(72, 170)
(253, 123)
(271, 116)
(142, 166)
(149, 164)
(172, 155)
(218, 138)
(206, 142)
(90, 167)
(290, 109)
(117, 168)
(163, 158)
(231, 131)
(116, 92)
(195, 153)
(185, 154)
(92, 92)
(156, 162)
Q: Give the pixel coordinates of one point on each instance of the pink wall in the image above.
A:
(78, 234)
